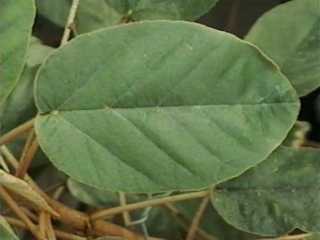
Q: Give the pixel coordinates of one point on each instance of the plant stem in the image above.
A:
(26, 159)
(126, 215)
(70, 21)
(15, 133)
(197, 219)
(101, 214)
(16, 209)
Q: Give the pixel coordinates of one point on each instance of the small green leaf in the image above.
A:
(290, 34)
(6, 231)
(96, 14)
(16, 19)
(298, 134)
(277, 196)
(120, 114)
(19, 106)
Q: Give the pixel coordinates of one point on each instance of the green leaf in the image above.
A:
(212, 223)
(19, 106)
(96, 14)
(314, 236)
(275, 197)
(6, 231)
(16, 19)
(92, 196)
(120, 114)
(290, 34)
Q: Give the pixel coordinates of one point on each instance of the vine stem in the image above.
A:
(101, 214)
(70, 21)
(197, 219)
(17, 132)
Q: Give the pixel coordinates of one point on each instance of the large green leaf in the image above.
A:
(94, 14)
(275, 197)
(19, 106)
(16, 19)
(156, 106)
(290, 34)
(6, 231)
(212, 223)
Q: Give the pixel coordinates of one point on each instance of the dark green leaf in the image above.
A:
(290, 34)
(120, 114)
(96, 14)
(275, 197)
(19, 106)
(16, 19)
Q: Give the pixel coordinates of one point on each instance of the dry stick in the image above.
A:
(15, 133)
(184, 222)
(70, 21)
(101, 214)
(43, 224)
(71, 217)
(60, 234)
(197, 219)
(26, 161)
(50, 230)
(16, 209)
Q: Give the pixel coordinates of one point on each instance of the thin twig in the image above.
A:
(16, 209)
(101, 214)
(197, 219)
(126, 215)
(59, 234)
(27, 159)
(50, 230)
(43, 224)
(70, 21)
(15, 133)
(184, 221)
(232, 16)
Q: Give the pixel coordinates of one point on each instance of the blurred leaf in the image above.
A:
(24, 190)
(297, 135)
(16, 19)
(6, 232)
(92, 196)
(290, 35)
(166, 120)
(94, 14)
(19, 106)
(277, 196)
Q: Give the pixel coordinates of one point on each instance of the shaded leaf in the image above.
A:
(290, 34)
(96, 14)
(212, 223)
(19, 106)
(6, 231)
(24, 190)
(16, 19)
(277, 196)
(140, 118)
